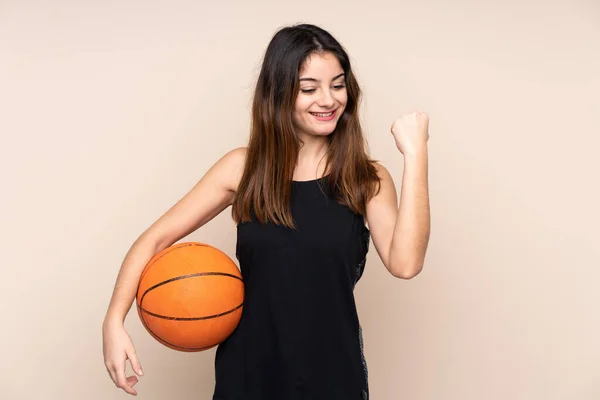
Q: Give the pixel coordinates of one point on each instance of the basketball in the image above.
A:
(190, 296)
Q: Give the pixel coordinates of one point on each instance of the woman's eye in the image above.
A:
(336, 87)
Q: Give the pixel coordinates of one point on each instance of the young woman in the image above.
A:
(301, 193)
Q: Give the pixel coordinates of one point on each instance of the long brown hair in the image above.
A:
(266, 184)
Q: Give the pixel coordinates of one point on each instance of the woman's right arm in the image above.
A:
(210, 196)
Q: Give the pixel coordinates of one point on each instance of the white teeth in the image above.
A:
(323, 114)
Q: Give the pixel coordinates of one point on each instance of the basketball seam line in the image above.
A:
(185, 277)
(189, 318)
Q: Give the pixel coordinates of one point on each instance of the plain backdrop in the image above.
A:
(110, 111)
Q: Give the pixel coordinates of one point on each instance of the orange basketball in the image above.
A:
(190, 296)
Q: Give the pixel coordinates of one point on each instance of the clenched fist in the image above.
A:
(411, 132)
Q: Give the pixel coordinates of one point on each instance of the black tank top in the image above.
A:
(299, 336)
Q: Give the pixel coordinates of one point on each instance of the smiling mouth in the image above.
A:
(323, 115)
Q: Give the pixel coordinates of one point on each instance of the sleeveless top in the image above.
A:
(299, 336)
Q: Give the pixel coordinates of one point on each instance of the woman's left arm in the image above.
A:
(401, 233)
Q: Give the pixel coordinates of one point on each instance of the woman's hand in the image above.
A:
(411, 132)
(118, 348)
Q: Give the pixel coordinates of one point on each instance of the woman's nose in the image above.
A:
(326, 100)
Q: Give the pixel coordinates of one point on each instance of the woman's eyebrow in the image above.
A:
(316, 80)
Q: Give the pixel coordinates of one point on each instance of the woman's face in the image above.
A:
(323, 96)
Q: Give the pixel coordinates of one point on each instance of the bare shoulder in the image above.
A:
(387, 182)
(231, 167)
(380, 168)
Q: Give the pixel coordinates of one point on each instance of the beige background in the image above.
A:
(111, 111)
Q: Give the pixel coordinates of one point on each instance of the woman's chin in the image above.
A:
(324, 130)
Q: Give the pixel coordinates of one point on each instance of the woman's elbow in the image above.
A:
(406, 270)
